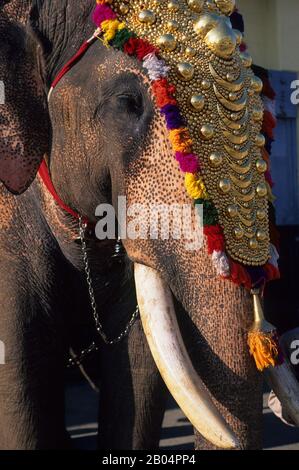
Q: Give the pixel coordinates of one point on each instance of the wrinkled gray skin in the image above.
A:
(104, 138)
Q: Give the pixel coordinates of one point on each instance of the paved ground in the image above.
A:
(177, 432)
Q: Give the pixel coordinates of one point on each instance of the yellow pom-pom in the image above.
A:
(110, 28)
(195, 186)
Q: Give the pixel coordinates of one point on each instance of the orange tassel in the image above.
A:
(263, 348)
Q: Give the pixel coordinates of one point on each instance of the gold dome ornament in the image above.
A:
(222, 40)
(147, 17)
(173, 5)
(260, 140)
(261, 235)
(239, 233)
(205, 23)
(207, 132)
(256, 84)
(195, 5)
(205, 84)
(226, 6)
(123, 8)
(190, 52)
(261, 190)
(185, 71)
(232, 210)
(225, 185)
(197, 102)
(167, 42)
(216, 159)
(261, 165)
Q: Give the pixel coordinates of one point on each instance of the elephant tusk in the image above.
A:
(167, 347)
(286, 387)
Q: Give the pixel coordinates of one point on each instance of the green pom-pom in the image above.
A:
(210, 213)
(121, 38)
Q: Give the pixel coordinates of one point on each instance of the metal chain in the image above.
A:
(99, 327)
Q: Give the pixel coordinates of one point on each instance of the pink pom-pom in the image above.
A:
(102, 13)
(188, 162)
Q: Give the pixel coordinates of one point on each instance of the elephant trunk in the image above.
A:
(169, 352)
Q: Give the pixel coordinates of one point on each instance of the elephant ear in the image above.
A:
(24, 121)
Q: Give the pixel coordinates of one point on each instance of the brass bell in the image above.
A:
(167, 42)
(185, 71)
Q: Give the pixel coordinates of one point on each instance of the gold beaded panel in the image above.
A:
(218, 95)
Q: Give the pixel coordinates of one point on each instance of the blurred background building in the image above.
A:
(272, 36)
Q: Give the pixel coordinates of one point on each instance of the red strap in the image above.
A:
(46, 178)
(71, 62)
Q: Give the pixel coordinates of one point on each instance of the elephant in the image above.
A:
(102, 137)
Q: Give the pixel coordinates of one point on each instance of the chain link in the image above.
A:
(77, 360)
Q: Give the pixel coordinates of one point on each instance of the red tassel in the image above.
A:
(239, 275)
(272, 272)
(269, 124)
(274, 235)
(215, 238)
(267, 89)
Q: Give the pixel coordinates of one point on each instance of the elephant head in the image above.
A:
(105, 135)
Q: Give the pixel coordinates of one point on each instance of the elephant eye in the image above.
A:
(130, 103)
